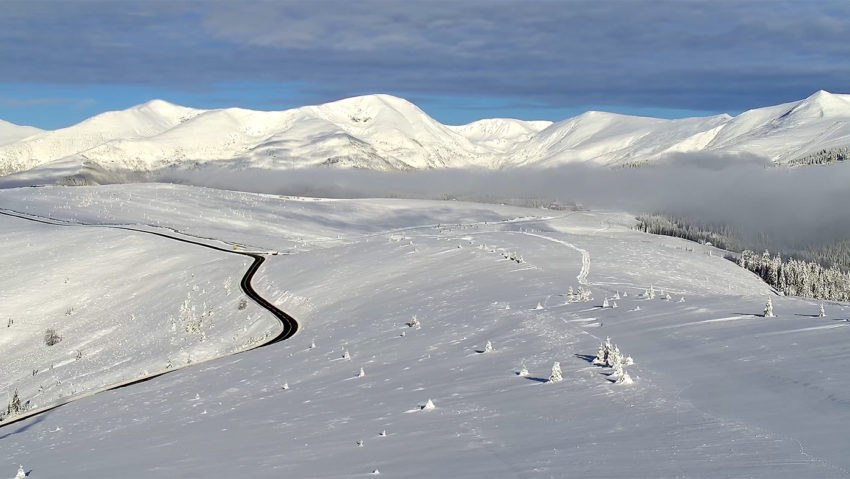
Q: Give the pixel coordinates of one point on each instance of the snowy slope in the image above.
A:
(719, 391)
(147, 119)
(611, 139)
(124, 304)
(382, 132)
(790, 130)
(11, 133)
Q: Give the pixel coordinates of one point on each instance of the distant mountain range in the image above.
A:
(382, 132)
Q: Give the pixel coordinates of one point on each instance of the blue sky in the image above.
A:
(64, 61)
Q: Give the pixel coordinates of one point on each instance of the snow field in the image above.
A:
(719, 390)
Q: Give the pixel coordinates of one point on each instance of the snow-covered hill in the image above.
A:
(382, 132)
(12, 133)
(719, 391)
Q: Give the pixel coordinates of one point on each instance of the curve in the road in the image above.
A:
(288, 324)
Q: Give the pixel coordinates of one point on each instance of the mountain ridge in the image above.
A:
(388, 133)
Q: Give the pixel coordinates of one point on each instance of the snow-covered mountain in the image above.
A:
(382, 132)
(11, 133)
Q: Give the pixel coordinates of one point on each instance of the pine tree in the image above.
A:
(22, 474)
(488, 348)
(601, 358)
(556, 376)
(429, 405)
(768, 309)
(822, 312)
(605, 303)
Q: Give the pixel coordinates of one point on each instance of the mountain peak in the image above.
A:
(820, 104)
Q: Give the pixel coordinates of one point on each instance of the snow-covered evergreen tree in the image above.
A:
(414, 323)
(539, 306)
(22, 474)
(361, 374)
(821, 312)
(768, 309)
(601, 358)
(488, 348)
(605, 303)
(556, 376)
(346, 355)
(429, 405)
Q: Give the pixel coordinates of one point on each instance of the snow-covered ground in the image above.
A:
(124, 304)
(719, 391)
(386, 133)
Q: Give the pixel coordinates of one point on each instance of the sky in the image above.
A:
(64, 61)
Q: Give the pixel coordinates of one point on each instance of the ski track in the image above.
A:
(585, 256)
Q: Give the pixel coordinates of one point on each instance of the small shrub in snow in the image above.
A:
(768, 309)
(624, 379)
(51, 337)
(555, 376)
(523, 371)
(243, 303)
(667, 297)
(429, 405)
(360, 443)
(682, 299)
(414, 323)
(285, 386)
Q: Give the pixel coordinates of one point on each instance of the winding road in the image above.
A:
(288, 324)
